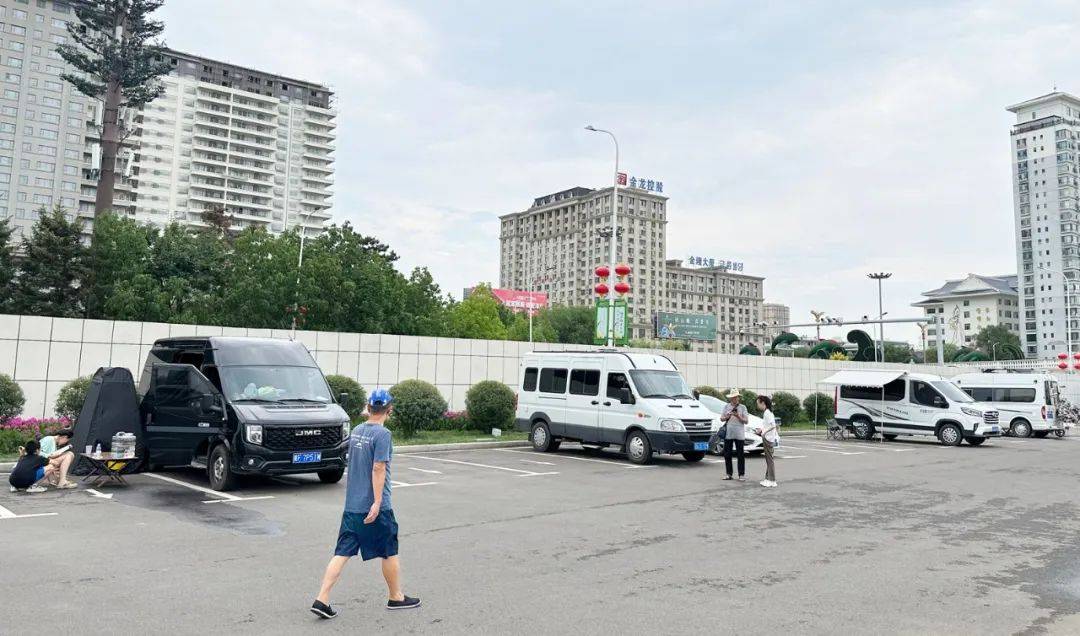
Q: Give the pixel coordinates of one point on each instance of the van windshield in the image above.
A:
(653, 383)
(951, 391)
(274, 384)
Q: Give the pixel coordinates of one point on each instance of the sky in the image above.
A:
(814, 141)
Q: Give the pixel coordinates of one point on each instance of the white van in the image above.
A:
(893, 403)
(635, 401)
(1028, 402)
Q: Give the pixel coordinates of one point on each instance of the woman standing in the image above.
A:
(770, 437)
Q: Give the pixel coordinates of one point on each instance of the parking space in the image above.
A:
(504, 540)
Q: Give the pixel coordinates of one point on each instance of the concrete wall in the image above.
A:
(42, 354)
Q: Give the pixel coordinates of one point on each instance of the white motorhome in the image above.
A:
(638, 402)
(1028, 402)
(895, 402)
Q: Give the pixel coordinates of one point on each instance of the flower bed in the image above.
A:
(16, 431)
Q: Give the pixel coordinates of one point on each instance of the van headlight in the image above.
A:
(253, 433)
(346, 428)
(672, 426)
(972, 412)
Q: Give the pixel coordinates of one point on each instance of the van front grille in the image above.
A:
(301, 437)
(697, 426)
(991, 417)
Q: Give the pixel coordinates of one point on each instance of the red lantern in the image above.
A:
(603, 272)
(601, 289)
(1077, 366)
(1076, 356)
(622, 287)
(1063, 356)
(622, 269)
(1063, 365)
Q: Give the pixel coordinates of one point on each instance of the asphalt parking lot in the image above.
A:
(906, 537)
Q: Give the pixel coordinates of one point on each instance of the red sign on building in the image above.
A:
(530, 302)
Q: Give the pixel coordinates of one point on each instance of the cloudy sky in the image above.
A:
(815, 141)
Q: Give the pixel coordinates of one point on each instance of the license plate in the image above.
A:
(307, 458)
(701, 446)
(995, 429)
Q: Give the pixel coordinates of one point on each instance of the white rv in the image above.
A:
(637, 402)
(1028, 402)
(895, 402)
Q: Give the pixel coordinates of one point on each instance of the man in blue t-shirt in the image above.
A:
(368, 526)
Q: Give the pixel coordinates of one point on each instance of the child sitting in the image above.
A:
(29, 470)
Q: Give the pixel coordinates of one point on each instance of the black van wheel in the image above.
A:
(694, 456)
(219, 469)
(638, 448)
(950, 435)
(541, 438)
(1020, 428)
(863, 428)
(331, 476)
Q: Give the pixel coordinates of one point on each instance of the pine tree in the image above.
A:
(7, 266)
(118, 61)
(53, 268)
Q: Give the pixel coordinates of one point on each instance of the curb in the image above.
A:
(425, 448)
(7, 467)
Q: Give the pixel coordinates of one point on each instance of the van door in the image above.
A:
(583, 400)
(184, 410)
(551, 395)
(927, 405)
(615, 417)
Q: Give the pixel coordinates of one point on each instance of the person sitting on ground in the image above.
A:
(56, 449)
(29, 470)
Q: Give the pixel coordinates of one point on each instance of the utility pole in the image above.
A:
(614, 236)
(879, 277)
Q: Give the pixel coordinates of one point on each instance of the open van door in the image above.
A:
(182, 408)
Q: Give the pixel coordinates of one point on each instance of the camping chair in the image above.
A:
(834, 430)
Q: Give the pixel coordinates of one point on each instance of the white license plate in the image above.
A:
(307, 458)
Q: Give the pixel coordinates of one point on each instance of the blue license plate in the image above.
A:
(307, 458)
(701, 446)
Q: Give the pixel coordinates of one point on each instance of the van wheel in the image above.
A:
(331, 476)
(694, 456)
(219, 469)
(638, 448)
(1020, 428)
(1060, 432)
(1041, 434)
(950, 435)
(542, 440)
(864, 428)
(975, 441)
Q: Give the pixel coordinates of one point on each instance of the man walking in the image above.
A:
(736, 417)
(368, 526)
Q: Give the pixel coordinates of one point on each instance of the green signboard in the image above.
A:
(622, 330)
(685, 326)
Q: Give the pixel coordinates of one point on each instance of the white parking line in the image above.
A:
(866, 445)
(424, 470)
(401, 484)
(224, 496)
(791, 456)
(522, 473)
(532, 461)
(821, 450)
(7, 514)
(579, 459)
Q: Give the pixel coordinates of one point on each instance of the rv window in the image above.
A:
(530, 379)
(893, 392)
(1014, 395)
(584, 382)
(981, 394)
(553, 380)
(926, 395)
(616, 382)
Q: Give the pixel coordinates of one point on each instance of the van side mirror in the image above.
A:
(696, 393)
(625, 396)
(343, 400)
(210, 404)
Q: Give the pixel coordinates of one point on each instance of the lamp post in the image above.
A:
(879, 277)
(993, 350)
(1068, 316)
(614, 234)
(299, 266)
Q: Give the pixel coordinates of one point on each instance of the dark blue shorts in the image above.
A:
(375, 540)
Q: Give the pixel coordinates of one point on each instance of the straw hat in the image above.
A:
(733, 392)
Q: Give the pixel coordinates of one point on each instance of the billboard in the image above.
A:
(620, 333)
(516, 300)
(685, 326)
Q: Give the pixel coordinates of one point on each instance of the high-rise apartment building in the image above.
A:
(774, 315)
(256, 145)
(555, 245)
(1046, 178)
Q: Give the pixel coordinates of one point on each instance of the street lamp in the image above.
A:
(614, 234)
(299, 266)
(879, 277)
(1068, 314)
(993, 350)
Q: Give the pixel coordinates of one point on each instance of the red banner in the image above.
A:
(621, 178)
(521, 300)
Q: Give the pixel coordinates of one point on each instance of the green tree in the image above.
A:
(998, 343)
(53, 270)
(543, 331)
(573, 325)
(930, 354)
(786, 407)
(899, 353)
(69, 401)
(11, 398)
(711, 391)
(818, 406)
(476, 317)
(7, 267)
(357, 400)
(423, 306)
(120, 252)
(118, 61)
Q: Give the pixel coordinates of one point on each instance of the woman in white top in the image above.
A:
(770, 436)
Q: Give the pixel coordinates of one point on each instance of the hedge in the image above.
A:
(786, 407)
(418, 406)
(69, 401)
(357, 396)
(710, 391)
(820, 402)
(11, 398)
(490, 404)
(16, 431)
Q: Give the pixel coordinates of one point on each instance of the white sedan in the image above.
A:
(753, 440)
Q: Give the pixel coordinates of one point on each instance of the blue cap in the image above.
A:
(380, 397)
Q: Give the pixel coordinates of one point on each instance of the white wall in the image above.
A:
(42, 354)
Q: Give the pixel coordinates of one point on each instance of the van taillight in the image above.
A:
(835, 401)
(1044, 412)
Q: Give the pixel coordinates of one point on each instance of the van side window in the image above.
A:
(926, 395)
(616, 382)
(584, 382)
(1014, 394)
(530, 379)
(553, 380)
(981, 394)
(893, 392)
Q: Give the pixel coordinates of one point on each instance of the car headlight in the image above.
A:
(346, 428)
(672, 426)
(972, 412)
(253, 433)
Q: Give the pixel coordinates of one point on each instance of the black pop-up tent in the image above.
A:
(111, 406)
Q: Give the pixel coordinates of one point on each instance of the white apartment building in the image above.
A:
(774, 315)
(1043, 144)
(556, 244)
(967, 305)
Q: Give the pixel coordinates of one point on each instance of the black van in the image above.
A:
(241, 406)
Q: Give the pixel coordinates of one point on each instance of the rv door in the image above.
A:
(185, 409)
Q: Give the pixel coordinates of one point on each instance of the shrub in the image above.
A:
(11, 398)
(357, 396)
(786, 407)
(452, 421)
(822, 403)
(710, 391)
(490, 404)
(69, 400)
(418, 406)
(749, 400)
